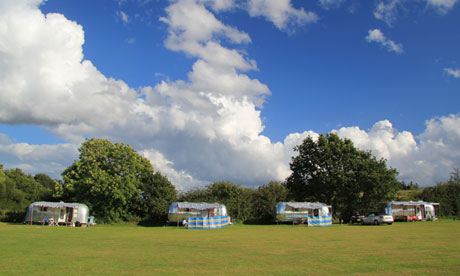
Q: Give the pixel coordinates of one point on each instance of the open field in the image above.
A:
(422, 248)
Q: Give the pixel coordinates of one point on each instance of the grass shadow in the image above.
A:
(151, 223)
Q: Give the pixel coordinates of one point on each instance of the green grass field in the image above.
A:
(422, 248)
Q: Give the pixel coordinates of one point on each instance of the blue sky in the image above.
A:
(213, 90)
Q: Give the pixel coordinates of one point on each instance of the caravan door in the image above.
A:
(211, 213)
(69, 214)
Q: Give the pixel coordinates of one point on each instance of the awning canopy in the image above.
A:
(306, 205)
(56, 204)
(198, 206)
(412, 203)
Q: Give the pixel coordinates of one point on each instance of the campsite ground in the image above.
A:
(422, 248)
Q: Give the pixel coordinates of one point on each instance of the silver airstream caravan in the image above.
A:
(413, 210)
(297, 212)
(57, 213)
(179, 211)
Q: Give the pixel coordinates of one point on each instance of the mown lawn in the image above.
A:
(422, 248)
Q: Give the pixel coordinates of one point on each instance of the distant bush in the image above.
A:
(447, 194)
(13, 216)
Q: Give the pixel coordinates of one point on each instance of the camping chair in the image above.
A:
(91, 221)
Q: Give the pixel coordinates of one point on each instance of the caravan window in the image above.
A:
(315, 212)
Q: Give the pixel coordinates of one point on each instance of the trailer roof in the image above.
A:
(306, 205)
(412, 203)
(198, 206)
(57, 204)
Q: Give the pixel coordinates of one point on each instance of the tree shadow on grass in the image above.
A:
(258, 222)
(150, 223)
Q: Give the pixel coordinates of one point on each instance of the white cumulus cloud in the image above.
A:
(194, 128)
(202, 129)
(281, 13)
(426, 161)
(377, 36)
(453, 72)
(442, 6)
(123, 16)
(329, 4)
(50, 159)
(219, 5)
(387, 11)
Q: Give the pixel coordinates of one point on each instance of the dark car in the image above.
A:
(356, 218)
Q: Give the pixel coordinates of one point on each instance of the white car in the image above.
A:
(377, 219)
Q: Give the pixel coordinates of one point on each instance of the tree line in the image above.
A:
(118, 184)
(447, 194)
(18, 190)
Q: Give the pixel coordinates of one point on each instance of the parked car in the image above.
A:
(356, 218)
(377, 219)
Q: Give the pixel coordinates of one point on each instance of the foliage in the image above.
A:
(110, 179)
(333, 171)
(195, 195)
(237, 199)
(243, 204)
(410, 186)
(18, 190)
(157, 193)
(409, 195)
(266, 198)
(447, 194)
(409, 192)
(25, 183)
(47, 184)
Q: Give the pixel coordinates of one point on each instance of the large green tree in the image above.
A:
(331, 170)
(236, 198)
(157, 193)
(110, 179)
(47, 186)
(266, 198)
(2, 183)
